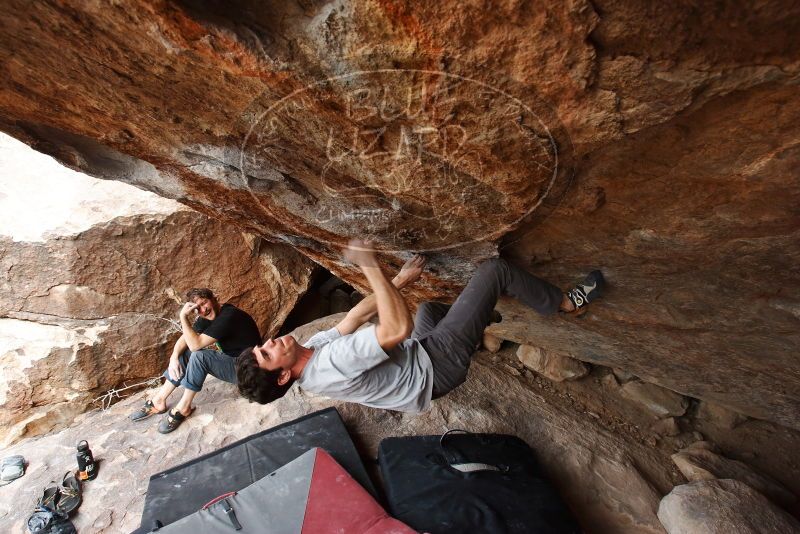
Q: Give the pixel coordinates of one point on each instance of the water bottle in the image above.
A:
(86, 466)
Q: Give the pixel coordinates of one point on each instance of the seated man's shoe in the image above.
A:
(587, 291)
(172, 421)
(145, 411)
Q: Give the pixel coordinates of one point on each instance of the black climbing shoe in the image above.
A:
(50, 497)
(70, 498)
(145, 411)
(587, 291)
(172, 421)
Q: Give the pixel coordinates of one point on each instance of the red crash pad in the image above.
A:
(310, 495)
(337, 503)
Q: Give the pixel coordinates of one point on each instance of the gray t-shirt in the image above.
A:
(355, 368)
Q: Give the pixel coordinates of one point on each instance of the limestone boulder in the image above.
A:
(552, 365)
(653, 141)
(704, 445)
(666, 427)
(611, 485)
(610, 381)
(53, 371)
(143, 264)
(659, 401)
(491, 343)
(90, 292)
(622, 375)
(719, 415)
(303, 333)
(699, 464)
(722, 507)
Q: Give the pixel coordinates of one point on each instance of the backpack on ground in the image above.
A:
(462, 482)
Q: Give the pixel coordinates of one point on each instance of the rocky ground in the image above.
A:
(770, 448)
(609, 455)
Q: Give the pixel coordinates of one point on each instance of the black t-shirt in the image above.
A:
(233, 329)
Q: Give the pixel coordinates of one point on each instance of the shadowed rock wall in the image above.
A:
(659, 142)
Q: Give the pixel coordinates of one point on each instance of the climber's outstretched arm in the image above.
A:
(395, 323)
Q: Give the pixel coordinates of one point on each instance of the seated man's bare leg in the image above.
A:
(185, 404)
(160, 398)
(156, 404)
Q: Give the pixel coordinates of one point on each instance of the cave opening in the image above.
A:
(327, 294)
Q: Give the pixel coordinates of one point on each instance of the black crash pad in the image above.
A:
(184, 489)
(461, 483)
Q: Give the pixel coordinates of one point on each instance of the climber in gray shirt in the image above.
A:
(355, 368)
(399, 364)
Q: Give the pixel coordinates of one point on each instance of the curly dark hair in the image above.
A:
(202, 292)
(256, 384)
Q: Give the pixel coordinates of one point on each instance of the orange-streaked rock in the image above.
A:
(675, 131)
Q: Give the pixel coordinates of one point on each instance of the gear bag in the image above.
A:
(465, 482)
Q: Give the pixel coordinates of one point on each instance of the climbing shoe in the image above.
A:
(70, 498)
(587, 291)
(145, 411)
(172, 421)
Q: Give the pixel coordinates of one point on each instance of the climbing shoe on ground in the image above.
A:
(172, 421)
(587, 291)
(70, 498)
(145, 411)
(11, 468)
(49, 497)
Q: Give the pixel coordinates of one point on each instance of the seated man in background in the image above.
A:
(381, 366)
(226, 327)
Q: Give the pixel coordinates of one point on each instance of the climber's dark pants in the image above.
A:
(451, 334)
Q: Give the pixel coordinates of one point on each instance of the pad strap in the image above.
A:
(474, 466)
